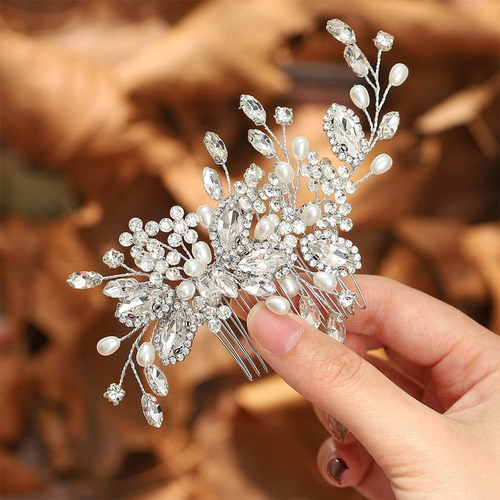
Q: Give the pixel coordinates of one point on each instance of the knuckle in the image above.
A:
(342, 369)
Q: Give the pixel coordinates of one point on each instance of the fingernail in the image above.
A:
(276, 334)
(335, 468)
(338, 430)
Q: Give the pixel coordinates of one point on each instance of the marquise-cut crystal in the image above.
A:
(329, 253)
(156, 380)
(138, 303)
(388, 125)
(173, 334)
(259, 287)
(215, 147)
(253, 109)
(82, 280)
(230, 225)
(341, 31)
(383, 41)
(263, 262)
(216, 283)
(117, 289)
(212, 184)
(262, 143)
(113, 258)
(309, 311)
(344, 131)
(336, 329)
(152, 410)
(356, 60)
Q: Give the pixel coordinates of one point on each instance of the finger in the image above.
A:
(351, 465)
(339, 431)
(429, 333)
(410, 386)
(340, 382)
(418, 372)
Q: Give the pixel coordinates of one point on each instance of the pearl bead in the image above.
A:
(194, 267)
(201, 251)
(325, 281)
(186, 290)
(310, 214)
(284, 172)
(146, 354)
(381, 164)
(398, 74)
(205, 214)
(108, 345)
(300, 148)
(264, 228)
(360, 97)
(289, 285)
(278, 305)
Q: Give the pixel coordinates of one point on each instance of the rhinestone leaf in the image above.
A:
(156, 380)
(173, 335)
(138, 303)
(82, 280)
(259, 287)
(309, 311)
(329, 253)
(263, 262)
(253, 109)
(341, 31)
(345, 133)
(262, 143)
(356, 60)
(215, 147)
(212, 184)
(388, 125)
(230, 225)
(118, 289)
(152, 410)
(335, 328)
(383, 41)
(113, 258)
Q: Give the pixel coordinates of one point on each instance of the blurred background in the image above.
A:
(104, 105)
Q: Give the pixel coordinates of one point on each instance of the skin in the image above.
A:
(424, 425)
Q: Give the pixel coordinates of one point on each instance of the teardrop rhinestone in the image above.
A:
(215, 147)
(253, 109)
(388, 125)
(173, 335)
(263, 262)
(118, 289)
(259, 287)
(230, 225)
(212, 184)
(156, 380)
(152, 410)
(341, 31)
(356, 60)
(335, 328)
(138, 303)
(309, 311)
(83, 280)
(262, 143)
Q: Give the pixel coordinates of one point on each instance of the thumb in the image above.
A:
(381, 415)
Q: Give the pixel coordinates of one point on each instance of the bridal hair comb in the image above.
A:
(263, 245)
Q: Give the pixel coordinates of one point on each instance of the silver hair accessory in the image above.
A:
(263, 245)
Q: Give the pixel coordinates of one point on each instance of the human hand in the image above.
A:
(427, 424)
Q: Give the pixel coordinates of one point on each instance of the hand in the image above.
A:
(425, 425)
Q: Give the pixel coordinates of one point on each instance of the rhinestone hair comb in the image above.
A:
(263, 245)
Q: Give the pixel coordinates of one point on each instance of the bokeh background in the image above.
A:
(103, 108)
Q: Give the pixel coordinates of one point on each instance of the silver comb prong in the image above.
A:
(225, 342)
(230, 333)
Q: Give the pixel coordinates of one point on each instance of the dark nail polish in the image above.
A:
(338, 430)
(336, 468)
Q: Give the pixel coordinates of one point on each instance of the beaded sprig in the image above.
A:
(264, 245)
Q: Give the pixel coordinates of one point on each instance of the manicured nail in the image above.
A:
(336, 467)
(276, 333)
(338, 430)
